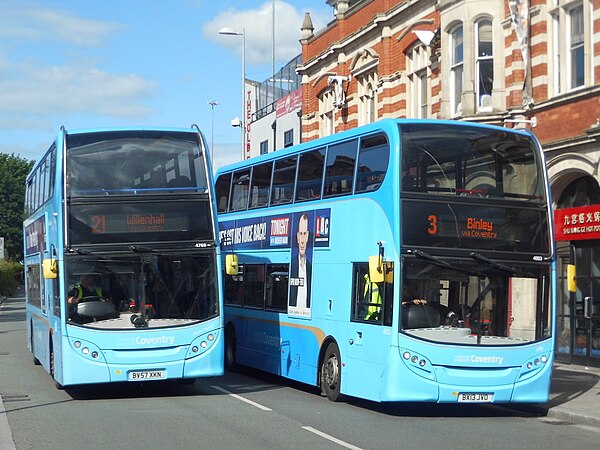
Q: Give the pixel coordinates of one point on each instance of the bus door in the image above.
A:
(368, 338)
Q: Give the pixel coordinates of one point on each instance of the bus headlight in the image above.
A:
(86, 349)
(202, 343)
(418, 364)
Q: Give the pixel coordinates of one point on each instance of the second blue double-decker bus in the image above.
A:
(121, 262)
(404, 260)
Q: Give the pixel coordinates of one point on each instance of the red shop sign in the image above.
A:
(572, 224)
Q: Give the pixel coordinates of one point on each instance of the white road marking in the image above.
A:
(311, 429)
(239, 397)
(331, 438)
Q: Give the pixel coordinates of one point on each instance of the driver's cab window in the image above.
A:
(89, 298)
(372, 302)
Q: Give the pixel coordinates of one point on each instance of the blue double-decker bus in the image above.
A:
(404, 260)
(122, 267)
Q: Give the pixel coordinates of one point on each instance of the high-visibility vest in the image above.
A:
(374, 301)
(80, 292)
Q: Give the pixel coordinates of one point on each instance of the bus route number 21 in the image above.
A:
(433, 226)
(98, 224)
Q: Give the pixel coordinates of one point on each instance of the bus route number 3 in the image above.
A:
(433, 226)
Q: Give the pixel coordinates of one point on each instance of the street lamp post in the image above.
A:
(230, 32)
(212, 104)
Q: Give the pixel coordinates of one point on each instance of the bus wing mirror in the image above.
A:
(571, 278)
(231, 264)
(50, 268)
(389, 272)
(376, 273)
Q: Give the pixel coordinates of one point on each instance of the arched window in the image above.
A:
(326, 116)
(583, 191)
(484, 66)
(368, 98)
(417, 65)
(456, 70)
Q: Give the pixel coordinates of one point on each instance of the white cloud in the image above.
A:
(35, 22)
(225, 154)
(257, 24)
(74, 88)
(34, 90)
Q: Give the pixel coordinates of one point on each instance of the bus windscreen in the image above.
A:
(133, 163)
(478, 162)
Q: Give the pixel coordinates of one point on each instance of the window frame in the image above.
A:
(326, 113)
(329, 180)
(288, 138)
(264, 147)
(419, 67)
(578, 46)
(483, 59)
(359, 307)
(457, 69)
(291, 167)
(240, 182)
(300, 187)
(255, 168)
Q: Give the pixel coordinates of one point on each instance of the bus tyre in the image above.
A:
(230, 350)
(331, 374)
(35, 360)
(59, 386)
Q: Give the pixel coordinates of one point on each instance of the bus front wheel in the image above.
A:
(230, 349)
(331, 374)
(59, 386)
(35, 360)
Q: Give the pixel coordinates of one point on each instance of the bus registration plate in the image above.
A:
(147, 375)
(475, 397)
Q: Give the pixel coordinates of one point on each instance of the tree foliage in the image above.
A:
(13, 171)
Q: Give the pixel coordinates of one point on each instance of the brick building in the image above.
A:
(516, 63)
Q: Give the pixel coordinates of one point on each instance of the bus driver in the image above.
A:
(88, 286)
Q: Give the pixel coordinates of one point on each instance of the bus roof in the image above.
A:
(380, 125)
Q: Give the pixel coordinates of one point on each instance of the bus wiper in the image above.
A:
(434, 259)
(78, 251)
(439, 262)
(479, 257)
(140, 249)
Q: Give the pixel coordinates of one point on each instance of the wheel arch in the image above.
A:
(328, 340)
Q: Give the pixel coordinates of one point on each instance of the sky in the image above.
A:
(100, 63)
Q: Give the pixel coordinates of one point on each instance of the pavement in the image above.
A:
(575, 395)
(574, 399)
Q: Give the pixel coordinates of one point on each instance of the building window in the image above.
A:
(264, 147)
(288, 138)
(326, 116)
(484, 65)
(576, 47)
(571, 23)
(456, 71)
(418, 63)
(556, 56)
(367, 98)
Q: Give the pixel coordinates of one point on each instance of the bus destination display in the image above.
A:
(137, 223)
